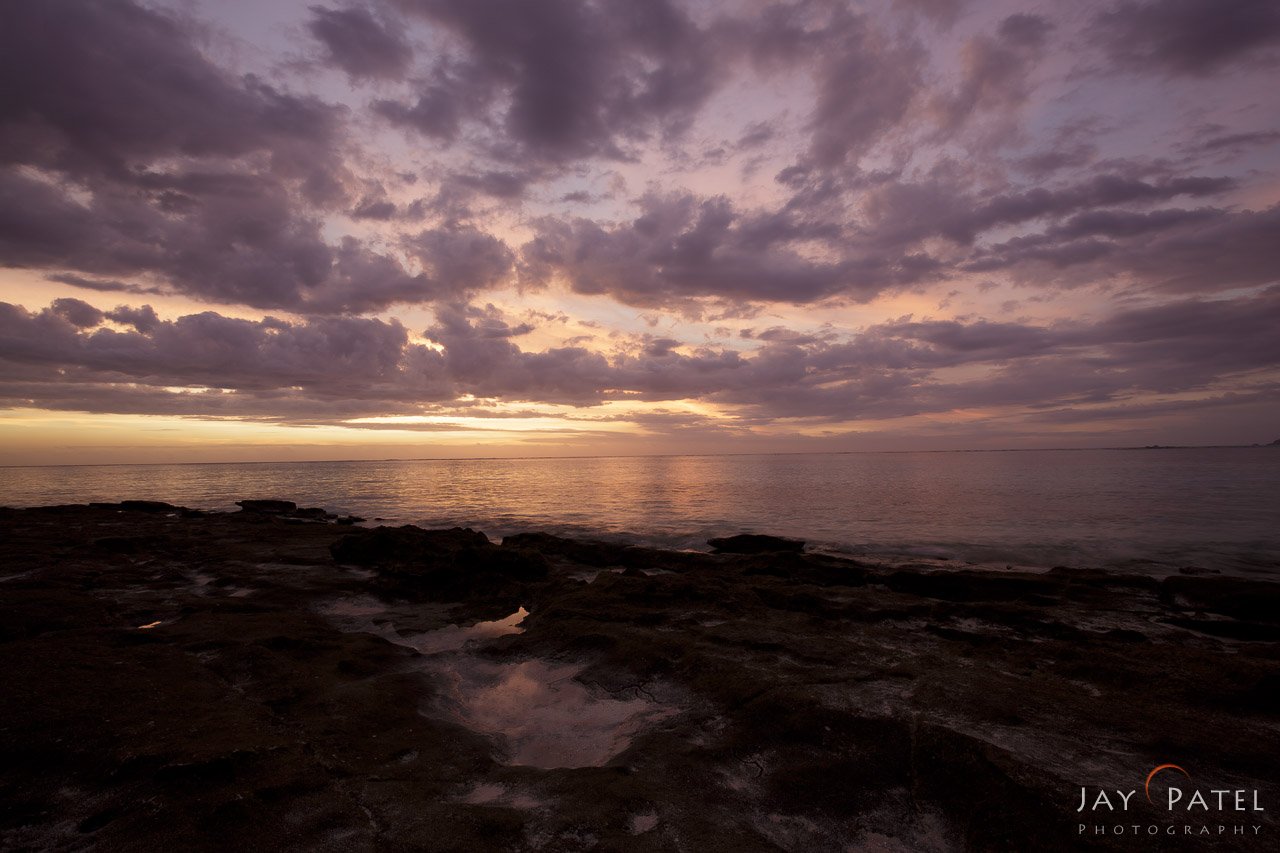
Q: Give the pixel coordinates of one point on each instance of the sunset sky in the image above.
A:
(243, 230)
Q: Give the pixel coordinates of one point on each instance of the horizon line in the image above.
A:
(637, 455)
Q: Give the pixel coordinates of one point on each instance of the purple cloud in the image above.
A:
(1188, 36)
(360, 44)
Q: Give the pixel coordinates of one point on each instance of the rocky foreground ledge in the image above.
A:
(272, 679)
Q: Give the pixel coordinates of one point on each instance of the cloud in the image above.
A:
(944, 12)
(360, 44)
(1178, 251)
(1231, 141)
(995, 71)
(682, 247)
(700, 161)
(442, 104)
(90, 111)
(1196, 37)
(350, 367)
(192, 180)
(266, 368)
(866, 83)
(561, 79)
(237, 241)
(78, 313)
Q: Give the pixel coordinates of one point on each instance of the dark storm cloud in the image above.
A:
(1188, 36)
(567, 79)
(359, 43)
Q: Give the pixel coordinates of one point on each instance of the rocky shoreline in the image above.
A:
(280, 679)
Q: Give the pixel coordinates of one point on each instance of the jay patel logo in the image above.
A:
(1190, 809)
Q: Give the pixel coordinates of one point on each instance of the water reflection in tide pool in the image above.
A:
(536, 710)
(544, 717)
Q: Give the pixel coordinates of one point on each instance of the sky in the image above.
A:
(266, 229)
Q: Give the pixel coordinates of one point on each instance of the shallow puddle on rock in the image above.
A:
(642, 823)
(590, 576)
(540, 714)
(454, 637)
(490, 793)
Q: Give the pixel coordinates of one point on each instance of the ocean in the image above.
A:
(1149, 510)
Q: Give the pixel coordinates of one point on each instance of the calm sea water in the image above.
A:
(1209, 507)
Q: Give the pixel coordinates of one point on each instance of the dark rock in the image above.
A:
(977, 586)
(137, 506)
(755, 543)
(603, 555)
(130, 544)
(451, 565)
(807, 568)
(1103, 579)
(920, 710)
(1125, 635)
(1240, 598)
(798, 602)
(1265, 694)
(385, 546)
(600, 555)
(149, 506)
(267, 507)
(1230, 628)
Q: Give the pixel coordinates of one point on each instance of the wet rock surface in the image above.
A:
(264, 680)
(755, 543)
